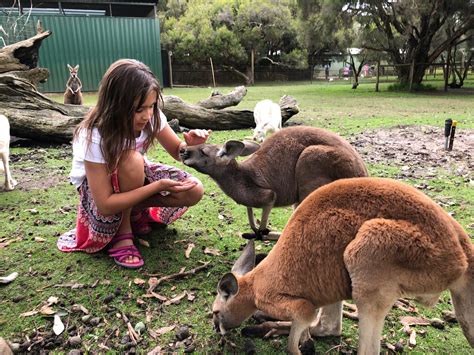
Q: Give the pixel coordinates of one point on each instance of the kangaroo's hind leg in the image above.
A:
(391, 258)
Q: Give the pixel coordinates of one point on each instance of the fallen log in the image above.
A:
(220, 101)
(22, 55)
(194, 116)
(33, 115)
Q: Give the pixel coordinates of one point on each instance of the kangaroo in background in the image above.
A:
(267, 115)
(10, 183)
(73, 94)
(372, 240)
(286, 168)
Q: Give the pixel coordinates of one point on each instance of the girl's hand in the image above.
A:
(196, 136)
(175, 186)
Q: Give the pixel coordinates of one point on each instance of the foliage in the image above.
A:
(227, 31)
(413, 31)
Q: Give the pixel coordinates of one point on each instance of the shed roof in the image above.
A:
(115, 8)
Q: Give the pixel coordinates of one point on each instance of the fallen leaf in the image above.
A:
(189, 249)
(191, 296)
(164, 330)
(79, 308)
(138, 281)
(412, 341)
(53, 300)
(47, 310)
(210, 251)
(9, 278)
(28, 314)
(143, 242)
(58, 326)
(39, 239)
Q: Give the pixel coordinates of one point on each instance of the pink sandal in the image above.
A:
(120, 254)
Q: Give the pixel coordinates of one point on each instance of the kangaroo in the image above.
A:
(10, 183)
(73, 94)
(372, 240)
(267, 115)
(286, 168)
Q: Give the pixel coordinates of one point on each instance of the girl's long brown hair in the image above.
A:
(122, 90)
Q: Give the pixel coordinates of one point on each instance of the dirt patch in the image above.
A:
(41, 167)
(418, 150)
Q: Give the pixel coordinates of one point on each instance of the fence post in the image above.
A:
(212, 71)
(170, 53)
(412, 70)
(252, 65)
(446, 73)
(378, 77)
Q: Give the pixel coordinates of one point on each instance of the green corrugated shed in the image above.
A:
(94, 43)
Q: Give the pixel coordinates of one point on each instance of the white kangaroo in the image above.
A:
(267, 115)
(286, 168)
(368, 239)
(10, 183)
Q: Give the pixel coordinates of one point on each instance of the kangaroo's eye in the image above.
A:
(203, 152)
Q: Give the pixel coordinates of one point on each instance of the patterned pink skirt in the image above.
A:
(94, 231)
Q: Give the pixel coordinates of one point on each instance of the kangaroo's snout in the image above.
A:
(184, 154)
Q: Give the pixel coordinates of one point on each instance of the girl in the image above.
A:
(120, 190)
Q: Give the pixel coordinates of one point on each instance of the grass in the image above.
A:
(43, 207)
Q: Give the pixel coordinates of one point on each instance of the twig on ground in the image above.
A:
(179, 275)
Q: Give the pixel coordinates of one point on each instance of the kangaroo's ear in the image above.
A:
(250, 148)
(228, 285)
(76, 67)
(69, 67)
(246, 260)
(231, 149)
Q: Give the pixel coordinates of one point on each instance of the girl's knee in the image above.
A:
(131, 171)
(195, 194)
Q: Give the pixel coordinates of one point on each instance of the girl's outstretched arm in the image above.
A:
(172, 144)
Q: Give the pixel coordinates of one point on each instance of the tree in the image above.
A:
(406, 29)
(228, 31)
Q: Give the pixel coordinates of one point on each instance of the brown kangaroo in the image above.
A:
(73, 94)
(286, 168)
(372, 240)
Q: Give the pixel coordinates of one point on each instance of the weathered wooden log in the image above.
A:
(22, 55)
(220, 101)
(194, 116)
(33, 115)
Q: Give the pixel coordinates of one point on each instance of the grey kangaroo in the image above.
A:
(286, 168)
(368, 239)
(73, 94)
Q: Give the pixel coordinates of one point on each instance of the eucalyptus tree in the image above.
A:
(228, 31)
(406, 29)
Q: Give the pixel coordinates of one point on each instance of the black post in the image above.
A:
(447, 131)
(451, 137)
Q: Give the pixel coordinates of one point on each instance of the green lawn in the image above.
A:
(43, 207)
